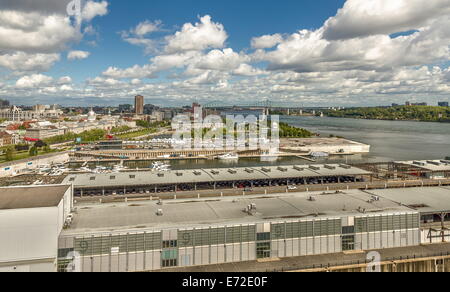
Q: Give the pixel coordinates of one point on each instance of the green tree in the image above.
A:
(47, 149)
(9, 154)
(34, 151)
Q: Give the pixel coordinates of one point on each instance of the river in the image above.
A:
(390, 140)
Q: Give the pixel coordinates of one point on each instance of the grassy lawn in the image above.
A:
(136, 134)
(23, 155)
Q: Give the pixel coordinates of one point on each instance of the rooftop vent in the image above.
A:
(215, 172)
(197, 173)
(330, 167)
(160, 174)
(159, 212)
(298, 168)
(283, 169)
(420, 163)
(314, 167)
(179, 174)
(312, 199)
(345, 166)
(249, 170)
(434, 163)
(265, 169)
(232, 171)
(361, 210)
(250, 209)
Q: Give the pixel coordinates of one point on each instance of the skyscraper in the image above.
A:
(139, 105)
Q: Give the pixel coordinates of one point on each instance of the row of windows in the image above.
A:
(236, 234)
(118, 243)
(306, 229)
(216, 236)
(385, 223)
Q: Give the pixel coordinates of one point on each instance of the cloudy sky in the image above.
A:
(311, 53)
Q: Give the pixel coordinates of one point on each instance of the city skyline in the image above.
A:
(340, 53)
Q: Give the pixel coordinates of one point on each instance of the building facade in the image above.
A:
(38, 113)
(147, 250)
(139, 105)
(31, 219)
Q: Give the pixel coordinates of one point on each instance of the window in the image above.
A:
(72, 179)
(263, 250)
(348, 229)
(170, 243)
(348, 242)
(263, 236)
(169, 263)
(169, 258)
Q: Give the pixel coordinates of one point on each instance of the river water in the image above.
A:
(390, 140)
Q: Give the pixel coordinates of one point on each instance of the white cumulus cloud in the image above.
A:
(78, 55)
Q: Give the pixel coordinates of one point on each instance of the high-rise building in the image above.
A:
(4, 103)
(139, 105)
(125, 108)
(443, 103)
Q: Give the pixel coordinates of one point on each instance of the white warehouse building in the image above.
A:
(31, 220)
(147, 236)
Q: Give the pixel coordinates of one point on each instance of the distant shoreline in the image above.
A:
(393, 120)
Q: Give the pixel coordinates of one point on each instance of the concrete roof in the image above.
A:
(429, 165)
(425, 200)
(31, 197)
(209, 175)
(226, 211)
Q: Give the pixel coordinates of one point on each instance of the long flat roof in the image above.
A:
(425, 200)
(31, 197)
(210, 175)
(120, 217)
(429, 165)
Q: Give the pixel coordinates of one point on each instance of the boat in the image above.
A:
(319, 154)
(228, 156)
(160, 166)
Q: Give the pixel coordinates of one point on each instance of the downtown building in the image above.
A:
(139, 105)
(38, 113)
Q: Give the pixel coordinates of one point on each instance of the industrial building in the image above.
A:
(430, 169)
(31, 220)
(206, 179)
(42, 231)
(433, 205)
(149, 236)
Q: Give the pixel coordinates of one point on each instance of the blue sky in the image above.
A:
(243, 21)
(315, 53)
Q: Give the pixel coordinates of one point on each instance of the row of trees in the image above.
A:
(11, 152)
(417, 113)
(287, 131)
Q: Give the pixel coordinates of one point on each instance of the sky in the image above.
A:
(293, 53)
